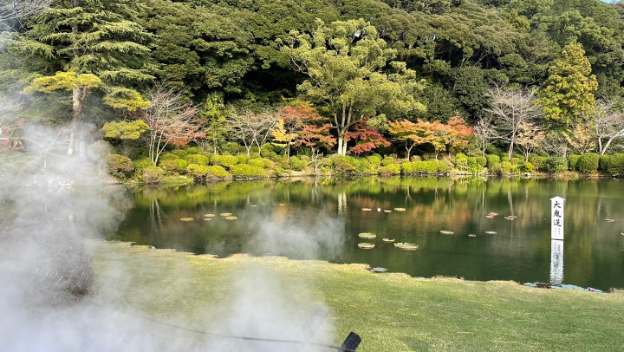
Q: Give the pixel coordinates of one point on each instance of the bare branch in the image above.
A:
(14, 9)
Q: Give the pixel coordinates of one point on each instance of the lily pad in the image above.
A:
(366, 245)
(225, 215)
(367, 209)
(472, 235)
(207, 219)
(406, 246)
(387, 211)
(400, 209)
(445, 232)
(209, 215)
(187, 219)
(231, 218)
(491, 232)
(367, 235)
(388, 240)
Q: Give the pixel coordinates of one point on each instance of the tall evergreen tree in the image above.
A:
(569, 94)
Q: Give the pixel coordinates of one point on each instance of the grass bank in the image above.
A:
(392, 312)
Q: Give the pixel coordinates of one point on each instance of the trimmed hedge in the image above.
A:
(153, 175)
(389, 170)
(588, 163)
(119, 165)
(227, 161)
(612, 164)
(246, 170)
(173, 165)
(556, 164)
(430, 167)
(217, 171)
(198, 159)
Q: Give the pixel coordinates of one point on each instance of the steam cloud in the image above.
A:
(51, 208)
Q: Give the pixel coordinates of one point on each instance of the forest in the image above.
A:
(201, 89)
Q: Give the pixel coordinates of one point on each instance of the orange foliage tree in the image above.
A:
(366, 138)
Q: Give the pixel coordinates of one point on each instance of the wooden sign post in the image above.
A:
(556, 244)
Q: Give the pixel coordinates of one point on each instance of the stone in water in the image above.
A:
(609, 220)
(388, 240)
(367, 209)
(400, 209)
(491, 232)
(225, 215)
(387, 211)
(366, 245)
(188, 219)
(472, 235)
(445, 232)
(231, 218)
(367, 235)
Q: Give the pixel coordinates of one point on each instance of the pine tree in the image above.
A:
(569, 94)
(92, 39)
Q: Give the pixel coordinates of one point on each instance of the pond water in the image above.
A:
(321, 219)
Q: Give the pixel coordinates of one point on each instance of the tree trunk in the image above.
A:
(77, 97)
(342, 145)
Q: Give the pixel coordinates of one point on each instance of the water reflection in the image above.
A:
(513, 245)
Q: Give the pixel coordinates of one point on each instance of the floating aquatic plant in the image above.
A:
(406, 246)
(367, 235)
(366, 245)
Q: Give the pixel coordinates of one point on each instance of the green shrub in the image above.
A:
(415, 158)
(261, 163)
(176, 180)
(142, 163)
(198, 159)
(227, 161)
(556, 164)
(269, 151)
(539, 162)
(492, 159)
(246, 170)
(298, 163)
(573, 161)
(180, 153)
(612, 164)
(217, 171)
(391, 169)
(232, 148)
(461, 162)
(527, 166)
(588, 163)
(197, 171)
(509, 168)
(173, 165)
(119, 165)
(430, 167)
(374, 159)
(168, 156)
(153, 175)
(388, 160)
(495, 168)
(344, 165)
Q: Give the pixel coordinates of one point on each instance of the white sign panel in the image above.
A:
(556, 218)
(556, 262)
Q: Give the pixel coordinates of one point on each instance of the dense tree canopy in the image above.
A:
(362, 65)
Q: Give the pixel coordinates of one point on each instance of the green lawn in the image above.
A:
(392, 312)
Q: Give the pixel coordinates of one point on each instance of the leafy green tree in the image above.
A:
(214, 116)
(345, 63)
(93, 38)
(568, 95)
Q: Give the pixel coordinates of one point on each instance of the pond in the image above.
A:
(477, 229)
